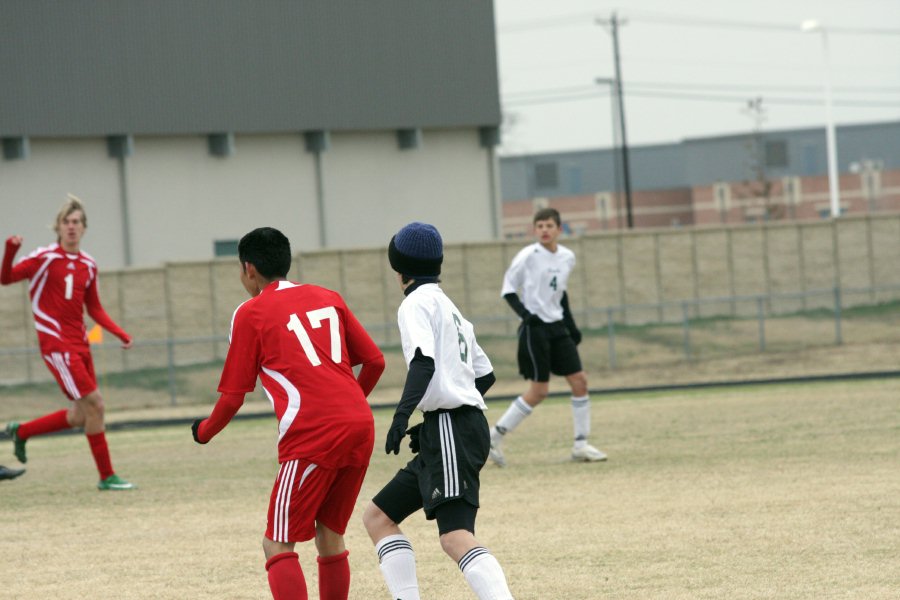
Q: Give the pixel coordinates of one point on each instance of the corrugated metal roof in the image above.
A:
(100, 67)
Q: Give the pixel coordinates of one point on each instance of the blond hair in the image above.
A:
(71, 204)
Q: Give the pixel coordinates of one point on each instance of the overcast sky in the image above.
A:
(689, 67)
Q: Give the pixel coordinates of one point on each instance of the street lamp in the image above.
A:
(811, 26)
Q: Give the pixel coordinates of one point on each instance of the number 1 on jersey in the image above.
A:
(315, 319)
(70, 281)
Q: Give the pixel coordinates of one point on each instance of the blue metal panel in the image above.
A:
(703, 161)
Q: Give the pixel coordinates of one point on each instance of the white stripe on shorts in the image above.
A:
(448, 456)
(283, 501)
(57, 361)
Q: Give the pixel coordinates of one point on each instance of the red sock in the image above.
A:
(46, 424)
(101, 454)
(334, 576)
(286, 577)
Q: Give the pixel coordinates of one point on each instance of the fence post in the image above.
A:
(611, 337)
(761, 316)
(170, 358)
(686, 325)
(170, 334)
(838, 339)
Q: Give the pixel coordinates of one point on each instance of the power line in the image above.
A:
(684, 20)
(768, 99)
(551, 97)
(547, 23)
(690, 21)
(816, 89)
(781, 66)
(749, 87)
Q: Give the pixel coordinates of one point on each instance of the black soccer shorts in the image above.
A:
(453, 447)
(547, 348)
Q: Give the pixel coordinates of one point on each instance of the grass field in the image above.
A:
(788, 491)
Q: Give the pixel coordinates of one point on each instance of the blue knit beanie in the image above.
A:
(417, 251)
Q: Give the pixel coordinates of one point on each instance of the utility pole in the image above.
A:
(613, 22)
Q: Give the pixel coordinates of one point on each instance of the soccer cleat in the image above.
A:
(18, 443)
(587, 453)
(496, 454)
(7, 473)
(114, 482)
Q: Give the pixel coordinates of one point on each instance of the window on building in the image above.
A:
(574, 180)
(225, 247)
(776, 154)
(546, 176)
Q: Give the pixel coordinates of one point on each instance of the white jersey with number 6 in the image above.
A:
(540, 277)
(430, 321)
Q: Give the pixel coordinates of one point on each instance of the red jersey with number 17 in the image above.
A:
(302, 341)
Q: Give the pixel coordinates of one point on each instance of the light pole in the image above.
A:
(808, 26)
(614, 23)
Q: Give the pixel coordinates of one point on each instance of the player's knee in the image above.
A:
(272, 548)
(375, 519)
(456, 543)
(75, 419)
(535, 397)
(93, 403)
(579, 383)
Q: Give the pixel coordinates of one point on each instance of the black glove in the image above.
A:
(195, 430)
(395, 433)
(576, 335)
(413, 433)
(531, 319)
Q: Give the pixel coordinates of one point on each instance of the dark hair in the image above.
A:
(268, 250)
(545, 214)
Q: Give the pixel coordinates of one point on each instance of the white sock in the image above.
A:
(581, 419)
(484, 575)
(398, 566)
(514, 415)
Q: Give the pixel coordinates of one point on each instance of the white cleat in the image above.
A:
(587, 453)
(496, 454)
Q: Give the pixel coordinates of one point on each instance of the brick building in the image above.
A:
(779, 175)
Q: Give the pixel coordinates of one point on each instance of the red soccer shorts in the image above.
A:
(74, 372)
(305, 493)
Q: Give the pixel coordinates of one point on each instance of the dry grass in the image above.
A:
(781, 492)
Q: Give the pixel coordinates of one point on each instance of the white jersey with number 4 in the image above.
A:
(540, 277)
(430, 321)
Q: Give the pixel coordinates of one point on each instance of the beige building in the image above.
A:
(317, 118)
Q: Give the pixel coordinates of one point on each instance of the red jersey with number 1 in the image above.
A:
(302, 341)
(61, 285)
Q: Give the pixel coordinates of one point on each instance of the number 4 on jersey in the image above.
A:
(315, 319)
(553, 283)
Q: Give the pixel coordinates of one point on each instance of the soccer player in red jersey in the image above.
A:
(302, 342)
(62, 282)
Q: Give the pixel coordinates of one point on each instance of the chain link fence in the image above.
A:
(184, 369)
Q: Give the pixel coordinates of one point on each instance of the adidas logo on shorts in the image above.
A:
(435, 494)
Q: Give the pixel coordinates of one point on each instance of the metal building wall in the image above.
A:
(89, 68)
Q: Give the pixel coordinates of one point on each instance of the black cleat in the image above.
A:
(7, 473)
(18, 443)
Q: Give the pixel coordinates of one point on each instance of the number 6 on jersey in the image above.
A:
(315, 319)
